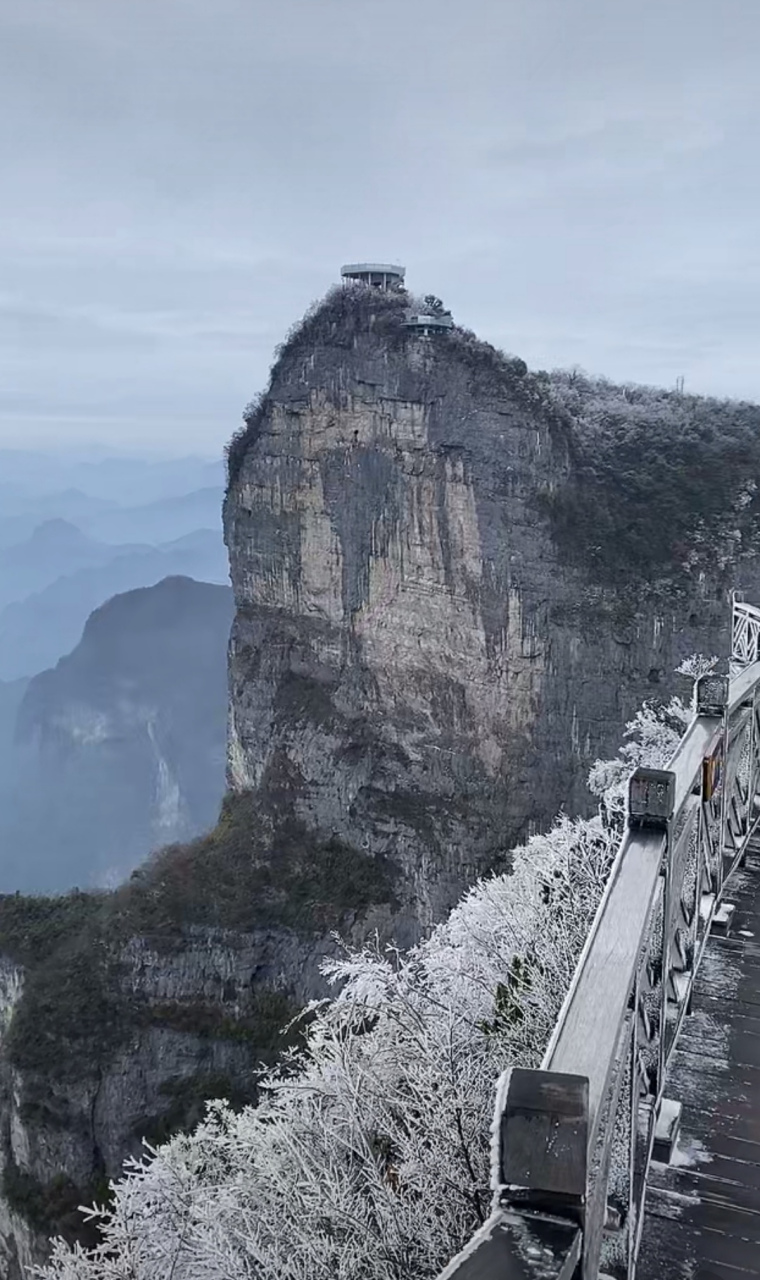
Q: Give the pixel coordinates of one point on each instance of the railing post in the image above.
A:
(711, 696)
(539, 1176)
(753, 769)
(543, 1143)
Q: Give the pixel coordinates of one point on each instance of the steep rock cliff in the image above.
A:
(127, 1010)
(392, 572)
(109, 1038)
(424, 661)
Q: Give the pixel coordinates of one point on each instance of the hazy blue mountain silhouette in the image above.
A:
(121, 746)
(11, 695)
(63, 504)
(124, 479)
(54, 549)
(37, 630)
(158, 521)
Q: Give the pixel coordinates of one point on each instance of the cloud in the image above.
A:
(182, 179)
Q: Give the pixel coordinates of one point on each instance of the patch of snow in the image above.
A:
(669, 1118)
(471, 1247)
(168, 802)
(688, 1153)
(11, 985)
(502, 1090)
(85, 726)
(679, 1199)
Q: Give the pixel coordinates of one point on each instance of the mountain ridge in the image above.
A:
(35, 630)
(423, 663)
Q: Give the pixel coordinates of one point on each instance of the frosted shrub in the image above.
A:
(367, 1157)
(665, 484)
(697, 665)
(651, 738)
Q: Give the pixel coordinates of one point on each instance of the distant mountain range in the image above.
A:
(115, 612)
(11, 695)
(121, 747)
(76, 530)
(123, 479)
(159, 520)
(53, 550)
(37, 629)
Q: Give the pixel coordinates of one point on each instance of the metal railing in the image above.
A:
(575, 1138)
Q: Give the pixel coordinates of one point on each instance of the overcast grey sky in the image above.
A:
(578, 179)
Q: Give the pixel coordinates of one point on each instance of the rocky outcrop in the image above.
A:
(132, 1008)
(124, 1055)
(392, 575)
(416, 665)
(20, 1246)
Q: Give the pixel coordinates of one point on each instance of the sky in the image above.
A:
(577, 179)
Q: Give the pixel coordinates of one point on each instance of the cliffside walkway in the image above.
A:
(702, 1214)
(634, 1152)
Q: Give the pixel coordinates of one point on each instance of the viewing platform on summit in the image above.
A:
(381, 275)
(388, 276)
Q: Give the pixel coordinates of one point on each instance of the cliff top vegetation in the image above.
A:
(348, 313)
(662, 485)
(663, 482)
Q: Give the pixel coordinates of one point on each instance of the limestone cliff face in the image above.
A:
(18, 1246)
(389, 659)
(414, 666)
(187, 1023)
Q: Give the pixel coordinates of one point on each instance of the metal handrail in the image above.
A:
(605, 1040)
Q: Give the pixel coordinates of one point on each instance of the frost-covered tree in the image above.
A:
(367, 1156)
(433, 304)
(697, 665)
(368, 1153)
(665, 483)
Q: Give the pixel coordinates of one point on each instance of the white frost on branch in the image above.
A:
(697, 665)
(368, 1156)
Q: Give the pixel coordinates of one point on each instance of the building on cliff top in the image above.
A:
(388, 276)
(382, 275)
(430, 323)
